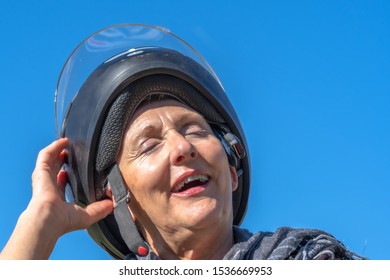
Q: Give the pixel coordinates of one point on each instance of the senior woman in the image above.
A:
(154, 159)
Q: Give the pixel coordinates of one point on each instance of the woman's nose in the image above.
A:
(182, 150)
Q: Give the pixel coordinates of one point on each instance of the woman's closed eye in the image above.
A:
(149, 145)
(195, 130)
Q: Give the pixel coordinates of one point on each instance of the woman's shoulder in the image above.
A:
(288, 243)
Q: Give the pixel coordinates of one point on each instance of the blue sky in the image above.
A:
(309, 80)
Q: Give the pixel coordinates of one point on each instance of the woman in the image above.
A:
(156, 160)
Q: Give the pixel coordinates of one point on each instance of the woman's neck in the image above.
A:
(210, 244)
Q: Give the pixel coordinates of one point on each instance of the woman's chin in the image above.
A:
(200, 217)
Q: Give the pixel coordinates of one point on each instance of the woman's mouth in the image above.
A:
(191, 184)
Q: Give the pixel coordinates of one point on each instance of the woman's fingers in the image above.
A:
(99, 210)
(52, 157)
(91, 214)
(48, 165)
(62, 180)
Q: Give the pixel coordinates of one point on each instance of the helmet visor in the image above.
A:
(105, 45)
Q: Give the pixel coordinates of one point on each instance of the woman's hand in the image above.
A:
(48, 215)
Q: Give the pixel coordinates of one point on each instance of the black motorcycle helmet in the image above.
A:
(101, 84)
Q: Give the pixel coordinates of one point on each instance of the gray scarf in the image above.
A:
(284, 244)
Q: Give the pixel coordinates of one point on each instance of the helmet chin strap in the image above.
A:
(126, 224)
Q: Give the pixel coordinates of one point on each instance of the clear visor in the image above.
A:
(105, 45)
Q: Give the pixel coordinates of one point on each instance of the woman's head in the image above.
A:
(97, 115)
(176, 169)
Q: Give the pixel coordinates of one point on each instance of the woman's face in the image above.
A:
(176, 169)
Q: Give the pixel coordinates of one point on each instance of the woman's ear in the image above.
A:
(234, 177)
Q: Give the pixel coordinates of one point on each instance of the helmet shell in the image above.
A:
(102, 66)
